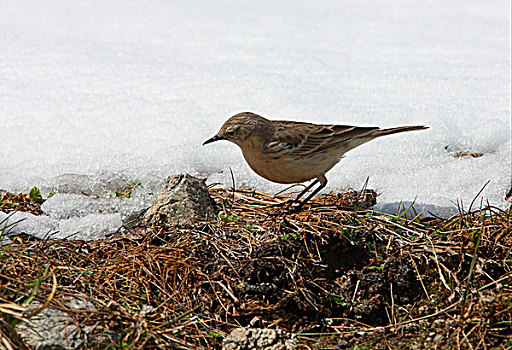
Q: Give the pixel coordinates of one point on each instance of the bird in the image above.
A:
(290, 152)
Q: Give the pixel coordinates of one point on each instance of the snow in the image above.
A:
(89, 227)
(96, 96)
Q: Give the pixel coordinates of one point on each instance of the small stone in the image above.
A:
(488, 299)
(184, 201)
(438, 339)
(55, 329)
(259, 338)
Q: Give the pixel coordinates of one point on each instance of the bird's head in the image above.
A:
(244, 129)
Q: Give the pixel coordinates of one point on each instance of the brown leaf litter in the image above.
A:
(337, 278)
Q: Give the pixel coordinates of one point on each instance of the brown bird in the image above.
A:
(292, 152)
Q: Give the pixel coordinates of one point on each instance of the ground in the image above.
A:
(337, 275)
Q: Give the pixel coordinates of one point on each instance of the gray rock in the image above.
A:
(438, 339)
(184, 201)
(55, 329)
(259, 338)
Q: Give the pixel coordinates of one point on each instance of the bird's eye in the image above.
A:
(230, 133)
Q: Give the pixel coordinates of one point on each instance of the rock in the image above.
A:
(184, 201)
(55, 329)
(259, 338)
(438, 339)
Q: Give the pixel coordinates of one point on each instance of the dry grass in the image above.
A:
(338, 278)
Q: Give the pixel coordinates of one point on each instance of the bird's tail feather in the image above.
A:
(390, 131)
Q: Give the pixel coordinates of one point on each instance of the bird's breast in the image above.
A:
(287, 169)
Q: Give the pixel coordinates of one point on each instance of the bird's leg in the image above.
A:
(301, 204)
(323, 182)
(296, 200)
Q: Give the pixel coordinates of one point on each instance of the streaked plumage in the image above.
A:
(292, 152)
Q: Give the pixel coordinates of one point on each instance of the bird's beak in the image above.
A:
(213, 139)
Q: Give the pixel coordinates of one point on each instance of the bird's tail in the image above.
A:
(382, 132)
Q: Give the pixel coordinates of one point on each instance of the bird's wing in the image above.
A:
(302, 139)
